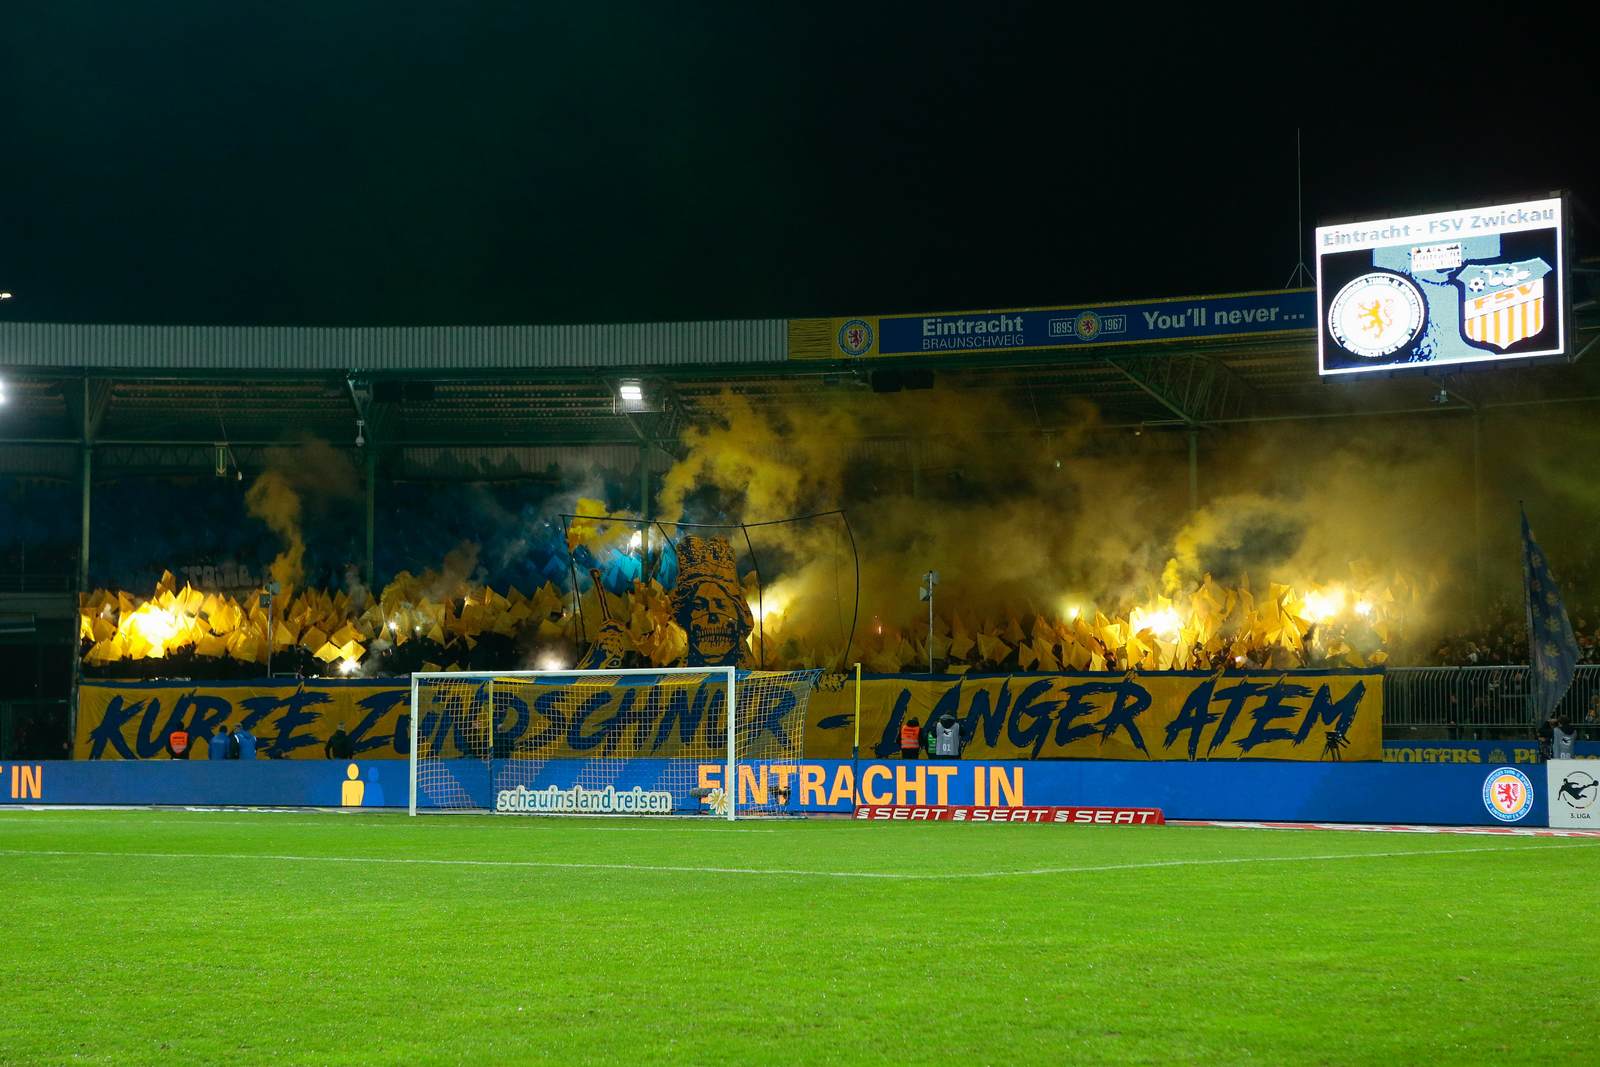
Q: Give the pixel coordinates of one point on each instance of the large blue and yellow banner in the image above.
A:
(1298, 715)
(1172, 715)
(1027, 329)
(292, 720)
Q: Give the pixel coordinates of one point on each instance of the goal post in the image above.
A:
(641, 741)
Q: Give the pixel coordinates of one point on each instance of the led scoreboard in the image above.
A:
(1475, 286)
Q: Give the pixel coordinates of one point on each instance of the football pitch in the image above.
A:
(182, 936)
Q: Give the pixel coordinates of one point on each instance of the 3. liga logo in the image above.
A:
(1579, 790)
(1507, 794)
(1376, 314)
(855, 337)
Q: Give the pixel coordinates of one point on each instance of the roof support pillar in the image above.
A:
(369, 568)
(1194, 470)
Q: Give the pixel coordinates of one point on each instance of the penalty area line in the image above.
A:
(783, 872)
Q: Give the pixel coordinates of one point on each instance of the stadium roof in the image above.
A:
(301, 349)
(557, 385)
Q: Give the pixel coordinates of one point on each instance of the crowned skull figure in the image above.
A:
(710, 605)
(707, 602)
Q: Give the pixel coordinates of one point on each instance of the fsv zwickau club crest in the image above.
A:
(1502, 303)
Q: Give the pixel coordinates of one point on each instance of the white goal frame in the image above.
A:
(731, 767)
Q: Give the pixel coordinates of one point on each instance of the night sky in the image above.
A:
(351, 163)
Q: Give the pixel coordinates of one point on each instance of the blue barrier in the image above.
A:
(1430, 793)
(206, 783)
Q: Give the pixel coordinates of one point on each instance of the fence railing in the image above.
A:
(29, 582)
(1481, 702)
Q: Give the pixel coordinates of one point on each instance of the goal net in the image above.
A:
(664, 741)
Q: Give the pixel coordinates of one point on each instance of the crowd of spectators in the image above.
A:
(1501, 638)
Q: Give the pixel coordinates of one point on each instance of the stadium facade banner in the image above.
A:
(1474, 286)
(1251, 790)
(1179, 715)
(1481, 752)
(1032, 329)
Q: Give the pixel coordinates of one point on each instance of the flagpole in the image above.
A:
(1527, 614)
(855, 750)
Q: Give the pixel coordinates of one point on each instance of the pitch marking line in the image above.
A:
(392, 820)
(780, 871)
(1391, 828)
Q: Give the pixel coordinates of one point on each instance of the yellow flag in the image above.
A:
(992, 649)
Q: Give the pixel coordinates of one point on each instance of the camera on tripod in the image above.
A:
(1335, 744)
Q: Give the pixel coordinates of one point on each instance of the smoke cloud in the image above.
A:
(274, 501)
(1020, 521)
(309, 477)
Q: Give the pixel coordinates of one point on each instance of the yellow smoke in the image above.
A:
(274, 501)
(1029, 515)
(1062, 543)
(590, 525)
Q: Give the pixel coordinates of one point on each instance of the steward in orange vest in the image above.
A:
(178, 744)
(910, 739)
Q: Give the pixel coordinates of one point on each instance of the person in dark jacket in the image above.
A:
(339, 746)
(1545, 735)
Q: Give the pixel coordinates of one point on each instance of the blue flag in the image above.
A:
(1552, 650)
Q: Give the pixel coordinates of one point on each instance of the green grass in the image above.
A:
(166, 936)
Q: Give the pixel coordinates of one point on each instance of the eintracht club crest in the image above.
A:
(1376, 314)
(855, 337)
(1507, 794)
